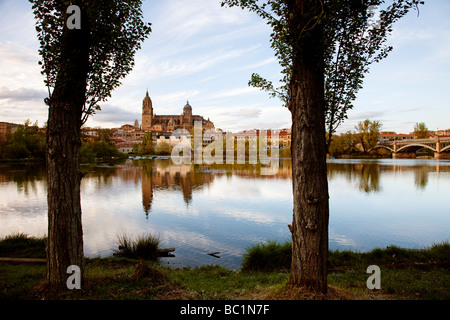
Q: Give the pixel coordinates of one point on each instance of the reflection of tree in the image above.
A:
(421, 177)
(102, 175)
(25, 176)
(366, 174)
(369, 178)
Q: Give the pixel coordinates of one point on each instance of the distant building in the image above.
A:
(153, 122)
(90, 132)
(7, 128)
(125, 147)
(284, 137)
(392, 136)
(441, 133)
(129, 133)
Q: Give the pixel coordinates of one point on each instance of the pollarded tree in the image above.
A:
(324, 48)
(86, 48)
(355, 38)
(420, 130)
(368, 133)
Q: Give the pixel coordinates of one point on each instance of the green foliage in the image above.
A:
(163, 149)
(285, 153)
(420, 130)
(28, 142)
(351, 43)
(343, 144)
(146, 147)
(116, 31)
(368, 133)
(98, 150)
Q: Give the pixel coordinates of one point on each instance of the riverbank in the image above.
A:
(406, 274)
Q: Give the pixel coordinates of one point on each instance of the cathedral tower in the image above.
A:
(147, 113)
(187, 122)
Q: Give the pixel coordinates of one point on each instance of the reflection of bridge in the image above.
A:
(408, 148)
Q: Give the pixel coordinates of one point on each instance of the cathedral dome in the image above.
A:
(187, 108)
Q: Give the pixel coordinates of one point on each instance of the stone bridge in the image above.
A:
(408, 148)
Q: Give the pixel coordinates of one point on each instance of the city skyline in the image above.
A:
(203, 53)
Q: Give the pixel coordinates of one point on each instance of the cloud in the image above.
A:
(254, 116)
(190, 18)
(372, 115)
(260, 63)
(233, 92)
(189, 65)
(19, 66)
(22, 95)
(112, 113)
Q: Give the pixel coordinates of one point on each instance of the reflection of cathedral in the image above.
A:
(153, 122)
(156, 177)
(162, 175)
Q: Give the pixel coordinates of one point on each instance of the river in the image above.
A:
(202, 209)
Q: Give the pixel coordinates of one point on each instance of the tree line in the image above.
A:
(27, 142)
(356, 142)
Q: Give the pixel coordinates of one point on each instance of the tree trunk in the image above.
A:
(65, 234)
(309, 173)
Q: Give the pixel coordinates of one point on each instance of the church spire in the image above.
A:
(147, 101)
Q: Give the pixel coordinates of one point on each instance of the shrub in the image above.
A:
(268, 256)
(143, 247)
(23, 246)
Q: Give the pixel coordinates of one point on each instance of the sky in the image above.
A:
(203, 53)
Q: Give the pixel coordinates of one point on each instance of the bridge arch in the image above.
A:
(445, 148)
(416, 145)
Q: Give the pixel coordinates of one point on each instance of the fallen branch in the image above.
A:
(22, 260)
(165, 252)
(214, 254)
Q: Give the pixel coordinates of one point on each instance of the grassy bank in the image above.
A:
(405, 274)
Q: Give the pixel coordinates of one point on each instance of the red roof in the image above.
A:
(396, 135)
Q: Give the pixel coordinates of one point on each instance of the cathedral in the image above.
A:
(153, 122)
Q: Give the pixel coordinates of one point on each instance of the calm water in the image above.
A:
(373, 203)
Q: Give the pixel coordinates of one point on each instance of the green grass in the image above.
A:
(268, 256)
(406, 283)
(392, 254)
(273, 255)
(22, 245)
(143, 247)
(19, 281)
(216, 282)
(264, 277)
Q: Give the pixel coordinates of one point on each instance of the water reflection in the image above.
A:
(366, 174)
(199, 208)
(25, 176)
(159, 175)
(164, 175)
